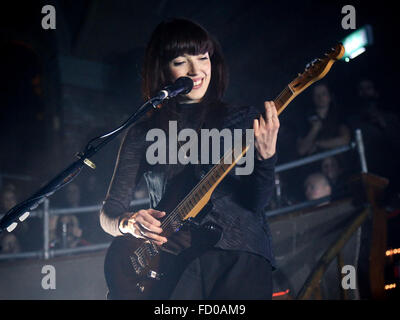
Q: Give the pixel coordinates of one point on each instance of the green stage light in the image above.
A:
(356, 42)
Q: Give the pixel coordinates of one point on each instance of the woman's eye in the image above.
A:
(178, 63)
(204, 58)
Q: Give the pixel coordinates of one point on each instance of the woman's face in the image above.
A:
(196, 67)
(321, 97)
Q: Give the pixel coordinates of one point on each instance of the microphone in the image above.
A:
(182, 85)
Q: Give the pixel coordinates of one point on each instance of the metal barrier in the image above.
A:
(47, 253)
(45, 213)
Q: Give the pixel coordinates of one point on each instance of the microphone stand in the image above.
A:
(21, 211)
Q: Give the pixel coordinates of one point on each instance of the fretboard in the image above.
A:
(283, 99)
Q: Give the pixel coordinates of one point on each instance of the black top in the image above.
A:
(238, 201)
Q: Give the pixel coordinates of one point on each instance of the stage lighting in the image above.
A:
(356, 42)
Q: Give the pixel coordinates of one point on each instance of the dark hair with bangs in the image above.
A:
(174, 38)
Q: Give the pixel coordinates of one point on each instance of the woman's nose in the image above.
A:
(193, 69)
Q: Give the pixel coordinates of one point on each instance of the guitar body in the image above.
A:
(137, 269)
(161, 271)
(125, 283)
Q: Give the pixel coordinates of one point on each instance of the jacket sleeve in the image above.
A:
(127, 173)
(257, 187)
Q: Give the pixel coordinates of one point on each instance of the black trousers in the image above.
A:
(225, 275)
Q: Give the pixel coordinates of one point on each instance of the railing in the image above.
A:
(46, 212)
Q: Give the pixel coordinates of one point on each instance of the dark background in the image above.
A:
(61, 87)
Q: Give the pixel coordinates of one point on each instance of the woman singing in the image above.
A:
(239, 265)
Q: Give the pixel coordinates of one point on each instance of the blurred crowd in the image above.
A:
(325, 123)
(321, 124)
(68, 230)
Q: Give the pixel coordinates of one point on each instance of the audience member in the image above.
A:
(9, 242)
(68, 233)
(380, 132)
(324, 128)
(8, 198)
(28, 235)
(333, 169)
(317, 186)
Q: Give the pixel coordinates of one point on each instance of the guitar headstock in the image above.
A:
(317, 69)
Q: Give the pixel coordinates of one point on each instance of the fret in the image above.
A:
(285, 95)
(180, 213)
(192, 202)
(186, 206)
(220, 170)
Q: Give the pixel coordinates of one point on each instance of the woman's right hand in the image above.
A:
(144, 224)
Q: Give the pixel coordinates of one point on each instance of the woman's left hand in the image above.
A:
(266, 132)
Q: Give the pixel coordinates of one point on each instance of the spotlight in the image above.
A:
(356, 42)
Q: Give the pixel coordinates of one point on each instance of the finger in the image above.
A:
(149, 223)
(275, 119)
(151, 236)
(268, 112)
(147, 215)
(256, 127)
(262, 122)
(274, 111)
(156, 213)
(155, 237)
(150, 227)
